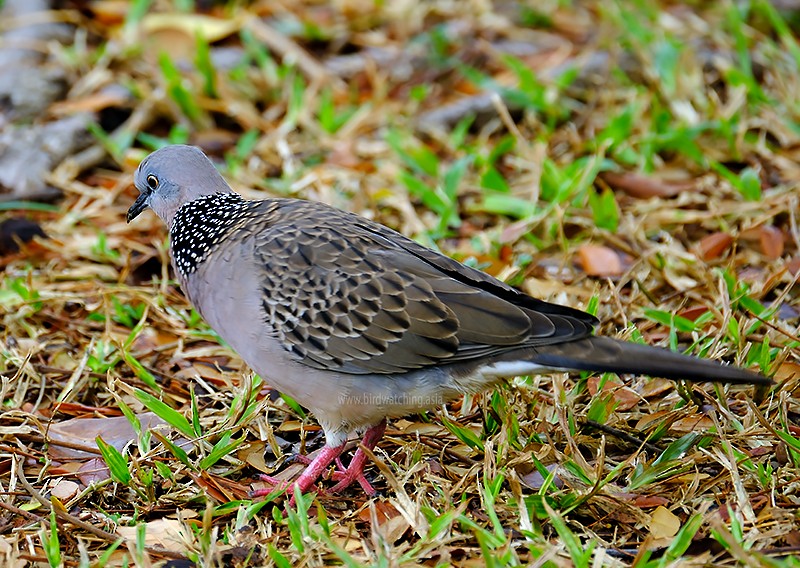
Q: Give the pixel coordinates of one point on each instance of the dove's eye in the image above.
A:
(152, 181)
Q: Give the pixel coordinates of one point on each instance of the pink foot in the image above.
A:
(341, 475)
(355, 471)
(344, 477)
(338, 475)
(276, 485)
(307, 478)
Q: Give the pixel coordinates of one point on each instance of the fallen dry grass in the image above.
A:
(635, 160)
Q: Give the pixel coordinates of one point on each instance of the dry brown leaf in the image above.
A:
(624, 396)
(664, 524)
(648, 420)
(296, 426)
(180, 45)
(648, 501)
(692, 423)
(343, 155)
(675, 275)
(64, 469)
(220, 488)
(177, 33)
(151, 339)
(109, 12)
(253, 455)
(116, 431)
(637, 185)
(76, 410)
(714, 245)
(787, 370)
(424, 428)
(391, 525)
(434, 466)
(215, 140)
(167, 533)
(655, 387)
(598, 260)
(91, 103)
(535, 480)
(384, 511)
(793, 266)
(346, 540)
(771, 240)
(64, 490)
(191, 25)
(693, 312)
(688, 478)
(750, 234)
(792, 538)
(94, 470)
(201, 370)
(515, 231)
(759, 451)
(393, 529)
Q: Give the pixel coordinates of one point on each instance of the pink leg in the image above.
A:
(309, 475)
(335, 475)
(344, 477)
(341, 474)
(300, 458)
(355, 471)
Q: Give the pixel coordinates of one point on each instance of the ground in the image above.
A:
(634, 159)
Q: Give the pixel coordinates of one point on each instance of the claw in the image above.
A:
(344, 476)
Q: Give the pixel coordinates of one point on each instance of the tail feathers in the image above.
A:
(605, 354)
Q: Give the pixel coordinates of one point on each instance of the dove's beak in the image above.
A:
(138, 206)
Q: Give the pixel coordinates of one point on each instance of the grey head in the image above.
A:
(171, 177)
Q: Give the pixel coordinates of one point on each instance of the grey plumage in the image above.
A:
(357, 322)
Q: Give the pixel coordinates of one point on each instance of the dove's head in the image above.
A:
(171, 177)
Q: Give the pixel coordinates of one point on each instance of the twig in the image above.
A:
(62, 444)
(289, 50)
(23, 513)
(440, 446)
(88, 527)
(631, 439)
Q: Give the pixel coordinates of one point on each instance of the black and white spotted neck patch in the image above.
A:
(201, 225)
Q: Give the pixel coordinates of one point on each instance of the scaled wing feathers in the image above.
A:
(342, 294)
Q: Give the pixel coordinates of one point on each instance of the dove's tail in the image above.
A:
(604, 354)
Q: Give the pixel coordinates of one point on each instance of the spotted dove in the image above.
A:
(359, 323)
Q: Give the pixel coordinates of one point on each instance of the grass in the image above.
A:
(508, 137)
